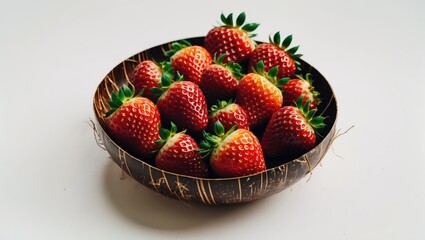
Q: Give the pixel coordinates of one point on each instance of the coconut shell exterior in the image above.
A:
(280, 173)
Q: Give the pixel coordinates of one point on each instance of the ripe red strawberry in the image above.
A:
(300, 87)
(234, 153)
(291, 131)
(133, 122)
(229, 114)
(188, 60)
(179, 154)
(277, 54)
(147, 75)
(259, 96)
(219, 80)
(183, 103)
(232, 40)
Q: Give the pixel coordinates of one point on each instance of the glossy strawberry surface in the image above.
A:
(135, 126)
(234, 42)
(178, 155)
(300, 87)
(184, 104)
(238, 154)
(230, 115)
(218, 83)
(259, 98)
(190, 61)
(273, 55)
(146, 75)
(288, 134)
(296, 88)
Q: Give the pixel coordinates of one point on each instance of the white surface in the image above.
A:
(57, 184)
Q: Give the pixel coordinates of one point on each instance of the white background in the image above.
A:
(56, 183)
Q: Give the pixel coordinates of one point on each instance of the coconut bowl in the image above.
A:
(279, 175)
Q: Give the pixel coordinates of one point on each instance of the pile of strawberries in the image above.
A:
(204, 111)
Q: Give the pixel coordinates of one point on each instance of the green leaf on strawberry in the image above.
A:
(315, 121)
(240, 20)
(233, 39)
(284, 45)
(300, 86)
(166, 134)
(178, 153)
(278, 53)
(118, 99)
(133, 122)
(234, 153)
(292, 131)
(271, 75)
(212, 141)
(286, 42)
(219, 105)
(165, 83)
(233, 67)
(177, 46)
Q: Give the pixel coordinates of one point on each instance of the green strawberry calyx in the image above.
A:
(165, 84)
(271, 75)
(212, 141)
(276, 40)
(316, 122)
(176, 46)
(233, 67)
(166, 134)
(240, 23)
(166, 68)
(308, 79)
(219, 105)
(123, 95)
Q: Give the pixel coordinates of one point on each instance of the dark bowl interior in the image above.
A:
(280, 173)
